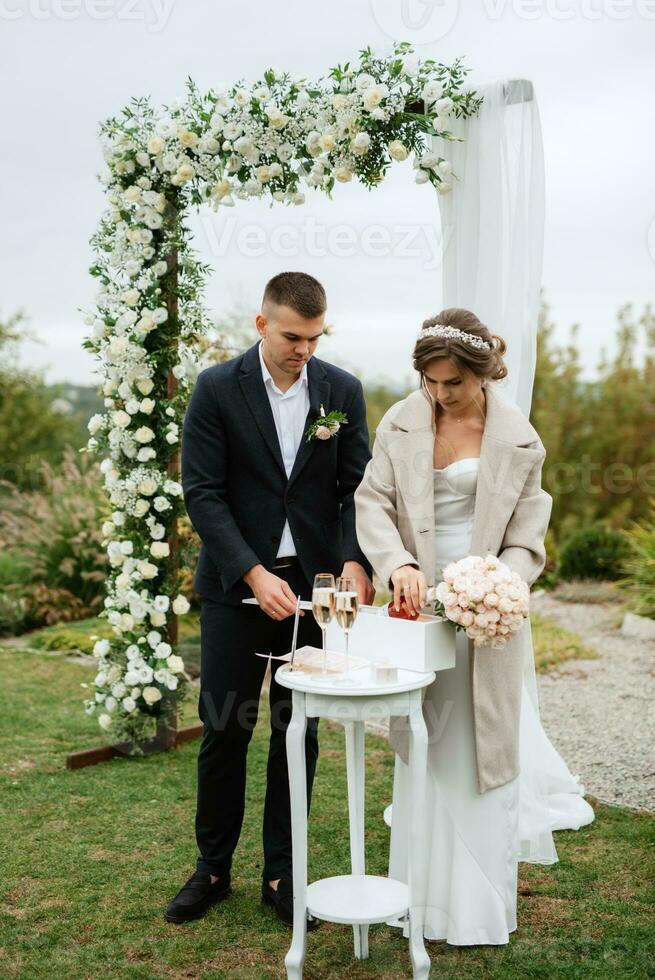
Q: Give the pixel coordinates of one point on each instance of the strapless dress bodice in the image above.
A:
(454, 492)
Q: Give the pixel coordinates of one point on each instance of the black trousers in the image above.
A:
(231, 679)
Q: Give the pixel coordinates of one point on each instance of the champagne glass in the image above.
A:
(323, 604)
(347, 607)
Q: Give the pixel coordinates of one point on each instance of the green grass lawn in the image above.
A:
(91, 857)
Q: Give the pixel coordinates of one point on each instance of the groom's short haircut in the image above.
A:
(297, 290)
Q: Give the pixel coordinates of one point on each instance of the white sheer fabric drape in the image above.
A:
(493, 231)
(492, 224)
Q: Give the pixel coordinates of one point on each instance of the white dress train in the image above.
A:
(472, 842)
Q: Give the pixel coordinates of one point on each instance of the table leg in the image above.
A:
(356, 796)
(418, 760)
(295, 743)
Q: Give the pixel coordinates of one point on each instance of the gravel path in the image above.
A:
(600, 714)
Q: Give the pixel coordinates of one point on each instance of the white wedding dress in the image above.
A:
(472, 841)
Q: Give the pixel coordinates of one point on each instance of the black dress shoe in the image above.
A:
(196, 896)
(282, 900)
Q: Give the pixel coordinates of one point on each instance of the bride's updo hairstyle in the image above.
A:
(484, 360)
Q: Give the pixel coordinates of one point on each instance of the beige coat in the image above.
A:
(395, 526)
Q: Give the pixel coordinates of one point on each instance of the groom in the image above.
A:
(272, 510)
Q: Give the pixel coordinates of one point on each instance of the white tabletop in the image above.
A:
(364, 683)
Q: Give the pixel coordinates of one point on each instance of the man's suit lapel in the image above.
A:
(319, 394)
(254, 391)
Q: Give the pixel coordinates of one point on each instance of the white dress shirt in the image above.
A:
(290, 410)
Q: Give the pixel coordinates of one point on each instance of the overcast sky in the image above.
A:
(69, 64)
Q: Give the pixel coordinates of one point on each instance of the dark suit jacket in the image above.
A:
(235, 486)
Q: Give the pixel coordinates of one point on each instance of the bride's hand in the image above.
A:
(412, 583)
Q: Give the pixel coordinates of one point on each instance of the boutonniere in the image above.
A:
(326, 426)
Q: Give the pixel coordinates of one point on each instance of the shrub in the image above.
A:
(594, 552)
(56, 534)
(13, 608)
(640, 565)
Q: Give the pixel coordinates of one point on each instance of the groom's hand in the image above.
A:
(365, 590)
(273, 594)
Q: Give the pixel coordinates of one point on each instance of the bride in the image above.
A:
(456, 470)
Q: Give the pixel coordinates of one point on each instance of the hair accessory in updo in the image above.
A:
(454, 333)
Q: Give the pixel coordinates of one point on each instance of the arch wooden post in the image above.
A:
(167, 728)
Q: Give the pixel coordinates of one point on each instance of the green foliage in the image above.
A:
(55, 533)
(593, 553)
(599, 435)
(13, 608)
(640, 565)
(33, 429)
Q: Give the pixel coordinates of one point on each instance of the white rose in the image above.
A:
(343, 174)
(163, 651)
(95, 423)
(117, 346)
(276, 117)
(327, 142)
(156, 145)
(364, 81)
(187, 138)
(144, 434)
(159, 549)
(444, 106)
(101, 649)
(184, 173)
(431, 92)
(146, 323)
(147, 406)
(141, 507)
(147, 569)
(373, 96)
(175, 664)
(158, 618)
(221, 189)
(421, 177)
(398, 150)
(131, 297)
(148, 486)
(128, 704)
(145, 385)
(180, 605)
(127, 547)
(151, 695)
(161, 603)
(105, 721)
(360, 144)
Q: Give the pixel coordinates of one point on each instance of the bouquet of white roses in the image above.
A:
(484, 597)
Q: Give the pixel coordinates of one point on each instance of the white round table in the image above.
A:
(357, 899)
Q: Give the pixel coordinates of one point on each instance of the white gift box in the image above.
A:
(420, 645)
